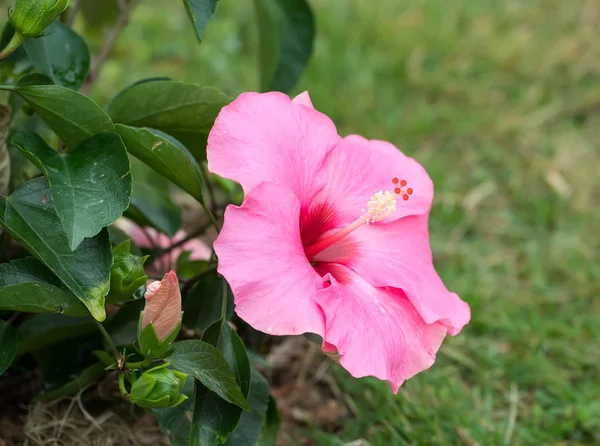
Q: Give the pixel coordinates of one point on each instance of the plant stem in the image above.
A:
(122, 21)
(122, 387)
(73, 12)
(183, 241)
(210, 190)
(192, 281)
(224, 302)
(109, 341)
(13, 44)
(209, 211)
(138, 365)
(212, 218)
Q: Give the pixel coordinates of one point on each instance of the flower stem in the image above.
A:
(73, 10)
(183, 241)
(140, 364)
(109, 341)
(224, 302)
(122, 387)
(192, 281)
(13, 44)
(202, 201)
(125, 12)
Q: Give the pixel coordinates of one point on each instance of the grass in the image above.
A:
(500, 101)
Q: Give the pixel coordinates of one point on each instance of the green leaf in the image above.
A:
(151, 203)
(34, 79)
(176, 421)
(286, 35)
(72, 116)
(186, 268)
(202, 307)
(200, 12)
(251, 424)
(214, 418)
(166, 156)
(78, 382)
(90, 185)
(183, 110)
(207, 365)
(123, 327)
(9, 345)
(42, 330)
(270, 430)
(61, 54)
(27, 285)
(28, 214)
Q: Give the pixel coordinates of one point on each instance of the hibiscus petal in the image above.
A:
(261, 256)
(376, 331)
(357, 168)
(398, 255)
(304, 99)
(268, 138)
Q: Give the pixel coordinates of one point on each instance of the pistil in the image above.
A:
(380, 205)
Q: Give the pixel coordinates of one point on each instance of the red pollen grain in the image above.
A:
(405, 197)
(409, 191)
(397, 191)
(403, 183)
(395, 180)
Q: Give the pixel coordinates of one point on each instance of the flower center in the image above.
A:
(380, 205)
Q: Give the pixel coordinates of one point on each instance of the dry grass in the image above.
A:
(69, 423)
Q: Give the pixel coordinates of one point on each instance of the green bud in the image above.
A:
(127, 273)
(31, 17)
(159, 387)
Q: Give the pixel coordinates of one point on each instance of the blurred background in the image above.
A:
(500, 101)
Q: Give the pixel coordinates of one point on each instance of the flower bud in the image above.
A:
(161, 319)
(158, 388)
(31, 17)
(127, 273)
(163, 305)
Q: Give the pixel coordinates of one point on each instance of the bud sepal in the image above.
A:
(30, 18)
(149, 344)
(127, 273)
(159, 387)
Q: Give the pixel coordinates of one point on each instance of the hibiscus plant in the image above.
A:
(299, 231)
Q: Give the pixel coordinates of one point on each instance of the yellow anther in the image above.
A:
(380, 206)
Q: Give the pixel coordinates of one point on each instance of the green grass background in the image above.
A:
(500, 101)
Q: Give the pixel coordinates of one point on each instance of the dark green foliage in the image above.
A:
(77, 165)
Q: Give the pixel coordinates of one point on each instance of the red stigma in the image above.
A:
(405, 197)
(395, 180)
(409, 191)
(397, 191)
(403, 183)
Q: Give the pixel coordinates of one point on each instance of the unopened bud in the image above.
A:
(163, 305)
(160, 321)
(159, 387)
(31, 17)
(127, 273)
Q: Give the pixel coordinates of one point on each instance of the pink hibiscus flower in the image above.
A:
(150, 238)
(301, 256)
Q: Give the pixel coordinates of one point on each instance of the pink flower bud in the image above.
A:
(163, 305)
